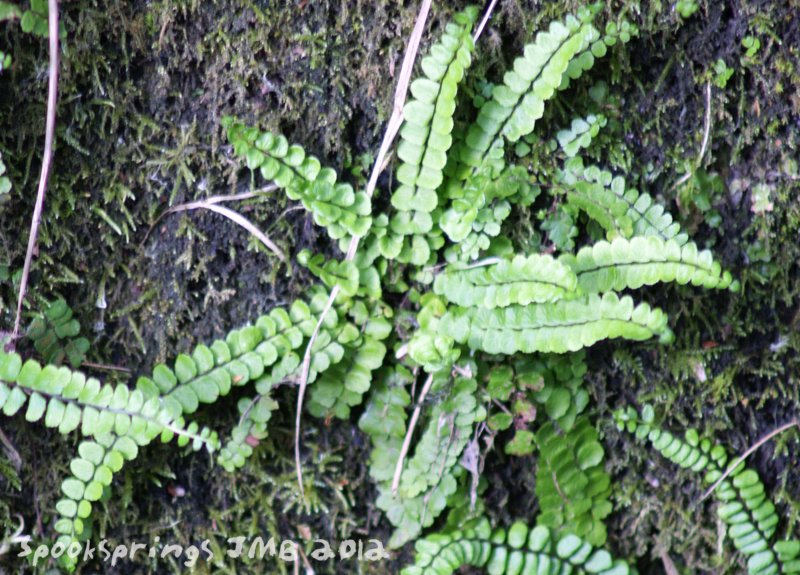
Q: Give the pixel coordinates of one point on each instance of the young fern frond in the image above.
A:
(521, 280)
(517, 550)
(556, 382)
(565, 325)
(252, 428)
(631, 264)
(580, 133)
(255, 413)
(621, 211)
(425, 139)
(744, 506)
(483, 203)
(334, 205)
(572, 486)
(344, 273)
(441, 444)
(55, 335)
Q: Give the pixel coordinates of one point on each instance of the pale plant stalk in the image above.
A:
(412, 424)
(47, 157)
(732, 467)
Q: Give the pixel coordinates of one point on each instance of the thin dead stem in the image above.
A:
(212, 204)
(732, 467)
(412, 424)
(484, 21)
(704, 145)
(49, 136)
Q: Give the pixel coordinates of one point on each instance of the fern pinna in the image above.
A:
(745, 507)
(442, 317)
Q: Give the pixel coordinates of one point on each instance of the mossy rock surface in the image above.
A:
(142, 91)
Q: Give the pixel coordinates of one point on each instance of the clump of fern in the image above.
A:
(434, 363)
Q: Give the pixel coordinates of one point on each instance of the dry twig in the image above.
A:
(412, 424)
(49, 136)
(746, 454)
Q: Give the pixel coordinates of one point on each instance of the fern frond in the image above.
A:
(55, 335)
(518, 103)
(384, 420)
(479, 206)
(514, 551)
(566, 325)
(251, 429)
(641, 261)
(444, 439)
(426, 134)
(243, 356)
(620, 210)
(255, 413)
(521, 280)
(430, 476)
(344, 273)
(69, 400)
(334, 205)
(572, 486)
(744, 505)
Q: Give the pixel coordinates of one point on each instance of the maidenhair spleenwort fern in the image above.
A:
(498, 334)
(744, 507)
(518, 550)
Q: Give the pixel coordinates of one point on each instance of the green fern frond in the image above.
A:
(479, 206)
(518, 103)
(55, 335)
(344, 273)
(119, 420)
(514, 551)
(558, 327)
(640, 261)
(620, 210)
(521, 280)
(447, 434)
(69, 401)
(344, 385)
(334, 205)
(429, 478)
(744, 506)
(572, 486)
(384, 420)
(252, 428)
(425, 137)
